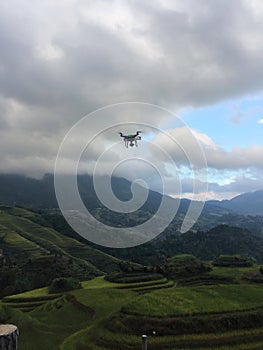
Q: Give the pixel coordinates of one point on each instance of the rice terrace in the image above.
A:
(184, 303)
(107, 315)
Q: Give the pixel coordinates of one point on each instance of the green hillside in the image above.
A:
(18, 225)
(39, 194)
(205, 245)
(34, 254)
(196, 300)
(188, 303)
(105, 315)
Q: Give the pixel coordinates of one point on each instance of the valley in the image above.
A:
(198, 290)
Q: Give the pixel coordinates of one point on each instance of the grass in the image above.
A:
(21, 233)
(181, 301)
(32, 334)
(104, 301)
(101, 282)
(40, 292)
(153, 286)
(235, 272)
(17, 242)
(63, 312)
(233, 340)
(48, 325)
(79, 323)
(107, 302)
(17, 211)
(98, 283)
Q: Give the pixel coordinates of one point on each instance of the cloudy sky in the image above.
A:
(199, 59)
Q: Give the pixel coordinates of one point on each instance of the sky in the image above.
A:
(199, 62)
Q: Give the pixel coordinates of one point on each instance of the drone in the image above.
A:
(131, 140)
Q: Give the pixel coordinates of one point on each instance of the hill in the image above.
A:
(246, 203)
(206, 245)
(19, 190)
(33, 254)
(39, 194)
(105, 315)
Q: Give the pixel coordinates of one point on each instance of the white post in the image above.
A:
(8, 337)
(144, 342)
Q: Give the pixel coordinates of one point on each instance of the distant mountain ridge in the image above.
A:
(246, 203)
(39, 194)
(19, 190)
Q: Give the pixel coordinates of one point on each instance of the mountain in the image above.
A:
(19, 190)
(39, 194)
(32, 253)
(205, 245)
(246, 203)
(22, 237)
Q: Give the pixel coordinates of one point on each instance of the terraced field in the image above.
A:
(26, 239)
(51, 313)
(105, 315)
(190, 301)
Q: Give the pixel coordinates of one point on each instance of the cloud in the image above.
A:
(229, 172)
(260, 121)
(192, 148)
(190, 54)
(212, 190)
(60, 61)
(239, 184)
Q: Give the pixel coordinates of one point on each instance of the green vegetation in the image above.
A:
(205, 245)
(106, 314)
(184, 265)
(46, 326)
(232, 340)
(188, 302)
(63, 284)
(122, 331)
(196, 300)
(232, 260)
(236, 273)
(34, 254)
(122, 277)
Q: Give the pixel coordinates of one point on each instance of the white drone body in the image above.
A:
(131, 140)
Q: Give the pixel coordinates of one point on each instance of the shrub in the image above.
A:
(184, 265)
(63, 284)
(232, 261)
(122, 277)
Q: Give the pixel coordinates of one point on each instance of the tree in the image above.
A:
(63, 284)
